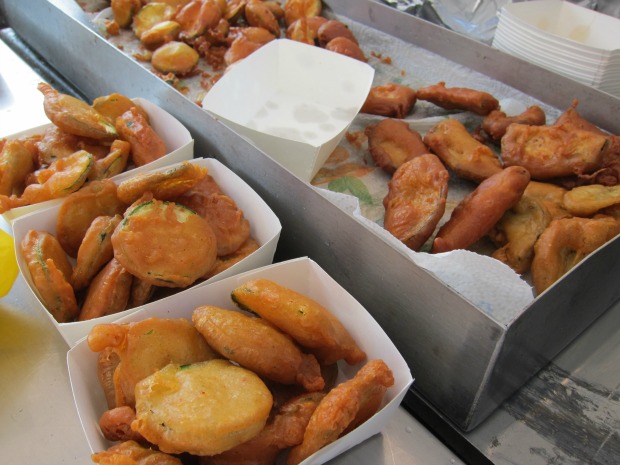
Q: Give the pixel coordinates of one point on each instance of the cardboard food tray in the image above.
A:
(466, 363)
(302, 275)
(265, 228)
(178, 141)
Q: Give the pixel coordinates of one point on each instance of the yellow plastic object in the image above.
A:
(8, 263)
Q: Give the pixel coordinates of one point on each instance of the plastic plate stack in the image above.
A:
(563, 37)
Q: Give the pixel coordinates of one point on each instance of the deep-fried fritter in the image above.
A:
(478, 212)
(202, 408)
(392, 142)
(146, 144)
(552, 151)
(459, 98)
(256, 345)
(461, 152)
(164, 244)
(231, 227)
(391, 100)
(16, 162)
(350, 403)
(50, 271)
(416, 200)
(588, 200)
(565, 243)
(115, 424)
(132, 453)
(113, 163)
(223, 263)
(108, 293)
(495, 123)
(146, 346)
(309, 323)
(347, 47)
(331, 29)
(78, 210)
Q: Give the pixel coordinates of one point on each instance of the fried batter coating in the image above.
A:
(55, 143)
(132, 453)
(203, 408)
(50, 271)
(495, 123)
(309, 323)
(391, 100)
(113, 163)
(146, 144)
(256, 345)
(164, 244)
(461, 152)
(195, 17)
(392, 142)
(114, 105)
(16, 162)
(588, 200)
(146, 346)
(517, 231)
(286, 429)
(124, 11)
(565, 243)
(108, 293)
(552, 151)
(115, 424)
(331, 29)
(258, 14)
(459, 98)
(78, 210)
(226, 261)
(164, 185)
(478, 212)
(95, 250)
(75, 116)
(347, 47)
(305, 29)
(416, 200)
(107, 361)
(141, 293)
(246, 41)
(550, 195)
(295, 9)
(350, 403)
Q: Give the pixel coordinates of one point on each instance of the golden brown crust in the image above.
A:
(390, 100)
(459, 98)
(392, 142)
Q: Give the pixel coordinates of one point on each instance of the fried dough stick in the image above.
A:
(495, 123)
(344, 407)
(461, 152)
(478, 212)
(286, 429)
(459, 98)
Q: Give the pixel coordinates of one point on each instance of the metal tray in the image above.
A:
(465, 363)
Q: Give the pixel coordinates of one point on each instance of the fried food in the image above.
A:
(50, 271)
(175, 57)
(392, 142)
(550, 195)
(164, 244)
(95, 250)
(588, 200)
(255, 344)
(461, 152)
(286, 429)
(146, 346)
(195, 17)
(113, 163)
(347, 47)
(459, 98)
(223, 263)
(75, 116)
(305, 29)
(141, 293)
(78, 210)
(495, 123)
(164, 185)
(146, 144)
(517, 231)
(246, 41)
(350, 403)
(295, 9)
(197, 195)
(258, 14)
(107, 361)
(478, 212)
(416, 200)
(231, 227)
(115, 424)
(16, 163)
(202, 408)
(331, 29)
(391, 100)
(552, 151)
(132, 453)
(108, 293)
(124, 11)
(565, 243)
(114, 105)
(63, 177)
(309, 323)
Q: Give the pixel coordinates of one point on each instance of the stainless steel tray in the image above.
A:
(465, 363)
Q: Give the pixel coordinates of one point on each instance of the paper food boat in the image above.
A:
(265, 228)
(178, 141)
(292, 100)
(302, 275)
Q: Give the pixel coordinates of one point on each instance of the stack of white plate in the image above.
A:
(573, 41)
